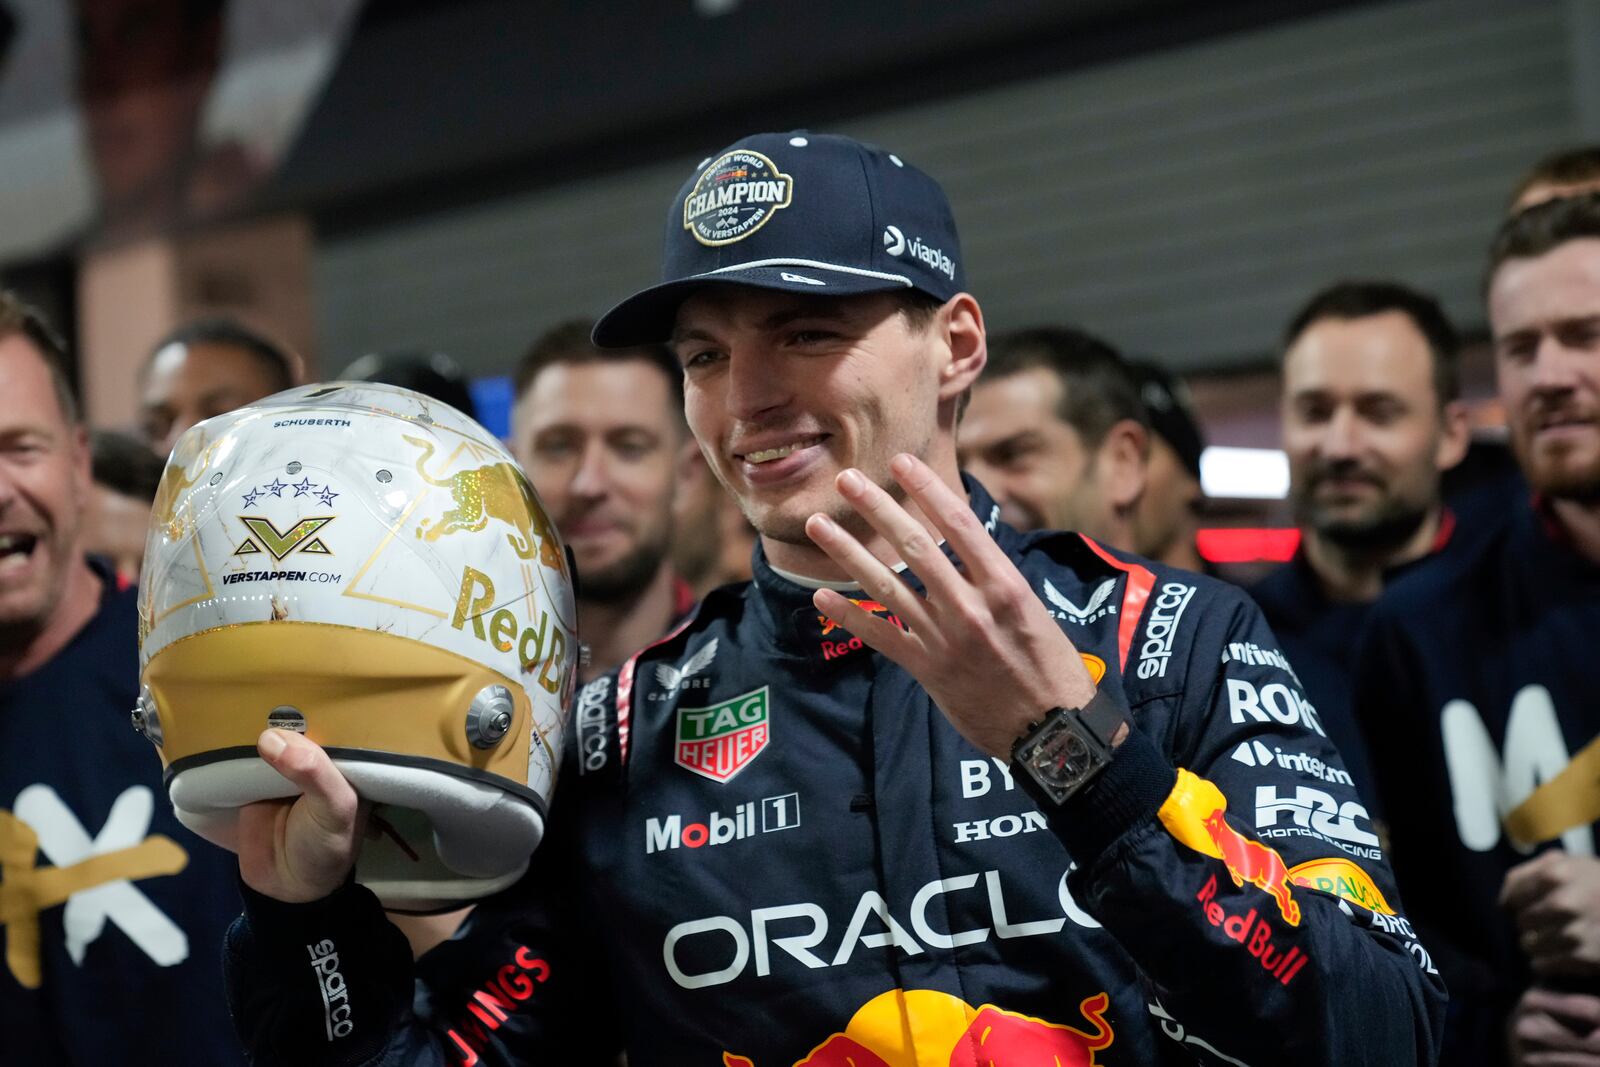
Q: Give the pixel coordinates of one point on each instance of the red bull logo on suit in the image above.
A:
(927, 1028)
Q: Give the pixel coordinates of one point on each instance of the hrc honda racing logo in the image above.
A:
(735, 195)
(1312, 813)
(1162, 628)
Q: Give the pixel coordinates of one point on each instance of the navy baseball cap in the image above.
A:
(798, 212)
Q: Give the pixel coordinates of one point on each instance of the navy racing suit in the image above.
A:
(771, 848)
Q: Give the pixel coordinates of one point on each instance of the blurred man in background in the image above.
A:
(1572, 172)
(125, 475)
(602, 437)
(112, 911)
(1479, 673)
(1056, 432)
(1168, 515)
(1370, 420)
(208, 367)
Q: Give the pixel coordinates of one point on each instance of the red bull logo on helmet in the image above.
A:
(927, 1028)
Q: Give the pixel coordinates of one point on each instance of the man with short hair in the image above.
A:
(910, 807)
(1571, 172)
(207, 367)
(109, 910)
(1166, 520)
(1056, 432)
(1479, 676)
(1370, 422)
(601, 434)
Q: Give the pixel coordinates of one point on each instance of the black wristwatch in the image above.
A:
(1066, 750)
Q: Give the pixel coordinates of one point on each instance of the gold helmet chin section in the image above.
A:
(355, 692)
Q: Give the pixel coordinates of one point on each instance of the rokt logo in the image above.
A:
(1276, 702)
(765, 816)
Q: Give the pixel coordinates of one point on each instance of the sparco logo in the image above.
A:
(735, 196)
(592, 725)
(1162, 628)
(775, 813)
(335, 997)
(895, 243)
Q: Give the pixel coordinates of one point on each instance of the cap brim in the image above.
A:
(647, 317)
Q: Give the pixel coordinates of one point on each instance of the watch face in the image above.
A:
(1064, 760)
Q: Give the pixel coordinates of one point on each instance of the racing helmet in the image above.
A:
(369, 567)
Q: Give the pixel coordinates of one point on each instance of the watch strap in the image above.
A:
(1102, 715)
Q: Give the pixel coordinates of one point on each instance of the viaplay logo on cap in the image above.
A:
(734, 197)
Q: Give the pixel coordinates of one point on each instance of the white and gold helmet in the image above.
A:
(369, 567)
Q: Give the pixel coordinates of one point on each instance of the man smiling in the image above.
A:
(1479, 677)
(964, 838)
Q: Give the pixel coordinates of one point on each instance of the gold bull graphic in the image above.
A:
(175, 480)
(493, 491)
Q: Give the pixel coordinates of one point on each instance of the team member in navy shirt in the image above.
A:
(1480, 675)
(113, 911)
(1370, 421)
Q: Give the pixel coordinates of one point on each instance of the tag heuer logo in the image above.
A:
(720, 741)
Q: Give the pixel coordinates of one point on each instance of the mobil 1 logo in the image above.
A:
(764, 816)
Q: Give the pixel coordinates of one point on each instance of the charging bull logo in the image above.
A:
(926, 1028)
(1194, 813)
(496, 491)
(1250, 861)
(872, 607)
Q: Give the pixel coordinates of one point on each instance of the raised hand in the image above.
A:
(979, 641)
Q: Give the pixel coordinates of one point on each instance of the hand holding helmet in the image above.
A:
(367, 568)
